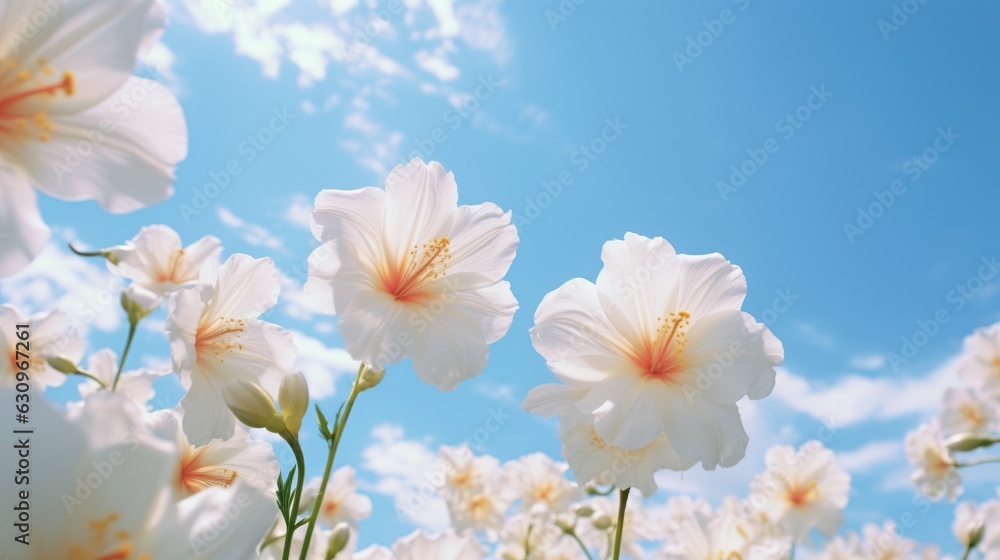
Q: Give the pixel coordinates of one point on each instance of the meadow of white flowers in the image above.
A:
(650, 360)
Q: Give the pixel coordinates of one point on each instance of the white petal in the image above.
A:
(626, 411)
(420, 205)
(483, 241)
(728, 356)
(336, 273)
(551, 399)
(574, 335)
(205, 414)
(375, 329)
(246, 287)
(704, 431)
(23, 234)
(125, 167)
(97, 41)
(453, 349)
(184, 311)
(353, 217)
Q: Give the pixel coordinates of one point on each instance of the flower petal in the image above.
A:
(420, 204)
(483, 241)
(374, 328)
(23, 234)
(453, 349)
(246, 287)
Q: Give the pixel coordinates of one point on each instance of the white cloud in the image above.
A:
(406, 470)
(299, 212)
(856, 398)
(448, 23)
(249, 232)
(82, 287)
(322, 365)
(874, 454)
(868, 361)
(436, 64)
(813, 335)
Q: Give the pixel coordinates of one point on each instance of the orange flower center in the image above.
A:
(660, 353)
(26, 84)
(217, 337)
(105, 544)
(422, 267)
(799, 495)
(176, 270)
(196, 476)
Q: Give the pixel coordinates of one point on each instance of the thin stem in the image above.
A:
(300, 462)
(622, 501)
(583, 546)
(128, 345)
(92, 378)
(86, 253)
(527, 542)
(337, 433)
(975, 462)
(968, 551)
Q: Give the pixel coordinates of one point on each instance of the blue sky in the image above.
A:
(637, 127)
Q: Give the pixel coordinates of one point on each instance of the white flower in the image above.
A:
(467, 473)
(156, 261)
(638, 526)
(990, 545)
(964, 412)
(935, 472)
(884, 543)
(842, 548)
(540, 484)
(441, 546)
(101, 484)
(412, 274)
(373, 552)
(49, 335)
(136, 385)
(969, 522)
(481, 510)
(703, 539)
(215, 337)
(980, 366)
(680, 508)
(658, 345)
(75, 122)
(593, 460)
(341, 502)
(220, 463)
(523, 529)
(803, 489)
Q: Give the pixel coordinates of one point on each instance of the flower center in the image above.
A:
(196, 476)
(660, 354)
(423, 266)
(176, 271)
(28, 84)
(544, 492)
(330, 507)
(106, 544)
(480, 506)
(972, 414)
(462, 478)
(217, 337)
(798, 495)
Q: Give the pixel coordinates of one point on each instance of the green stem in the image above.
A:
(583, 546)
(128, 346)
(337, 433)
(622, 501)
(86, 253)
(968, 550)
(300, 462)
(92, 377)
(975, 462)
(527, 542)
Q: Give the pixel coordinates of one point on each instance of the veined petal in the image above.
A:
(375, 327)
(260, 352)
(625, 411)
(452, 348)
(336, 274)
(184, 312)
(709, 283)
(551, 399)
(352, 217)
(125, 167)
(421, 201)
(246, 287)
(702, 430)
(97, 41)
(729, 356)
(205, 414)
(571, 329)
(23, 234)
(490, 304)
(483, 241)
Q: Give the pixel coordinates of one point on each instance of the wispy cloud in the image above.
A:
(251, 233)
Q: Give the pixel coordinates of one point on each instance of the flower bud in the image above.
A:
(566, 522)
(62, 365)
(138, 302)
(602, 521)
(338, 540)
(582, 510)
(293, 397)
(968, 442)
(370, 377)
(252, 405)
